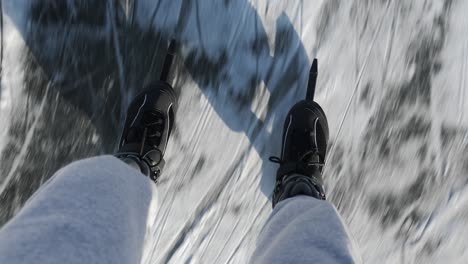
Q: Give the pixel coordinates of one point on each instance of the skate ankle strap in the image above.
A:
(298, 168)
(153, 160)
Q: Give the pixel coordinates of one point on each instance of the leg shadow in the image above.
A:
(87, 59)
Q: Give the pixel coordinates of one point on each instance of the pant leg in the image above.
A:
(92, 211)
(304, 230)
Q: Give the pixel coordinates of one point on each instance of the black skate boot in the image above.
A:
(149, 122)
(304, 148)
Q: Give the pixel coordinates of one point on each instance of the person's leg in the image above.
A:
(304, 229)
(96, 210)
(92, 211)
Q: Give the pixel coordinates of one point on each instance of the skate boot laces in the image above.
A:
(309, 158)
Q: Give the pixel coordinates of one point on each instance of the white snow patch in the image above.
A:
(12, 75)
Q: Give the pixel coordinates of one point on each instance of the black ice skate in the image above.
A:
(148, 126)
(304, 148)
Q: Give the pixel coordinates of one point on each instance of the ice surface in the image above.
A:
(392, 81)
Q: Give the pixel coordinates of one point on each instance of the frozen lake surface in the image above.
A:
(392, 81)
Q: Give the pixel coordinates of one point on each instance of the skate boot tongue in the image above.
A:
(306, 163)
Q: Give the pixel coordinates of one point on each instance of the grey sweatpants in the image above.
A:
(97, 210)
